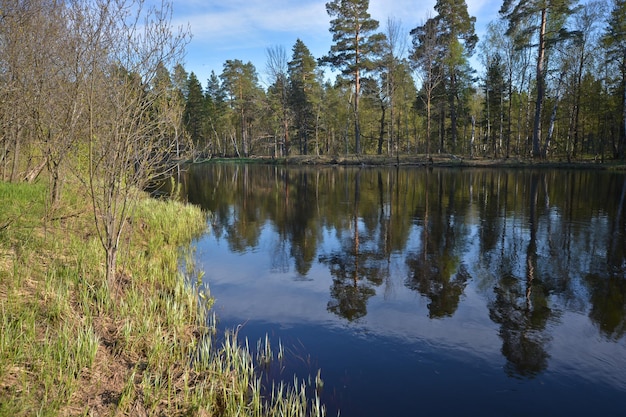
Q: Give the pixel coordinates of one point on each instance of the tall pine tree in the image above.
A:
(355, 45)
(521, 13)
(457, 34)
(241, 82)
(302, 83)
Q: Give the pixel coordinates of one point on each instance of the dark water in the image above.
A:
(427, 292)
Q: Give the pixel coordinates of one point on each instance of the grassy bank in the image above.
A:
(70, 345)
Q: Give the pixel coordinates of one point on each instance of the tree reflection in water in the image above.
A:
(532, 243)
(435, 270)
(521, 308)
(353, 267)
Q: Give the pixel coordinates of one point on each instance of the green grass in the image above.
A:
(70, 345)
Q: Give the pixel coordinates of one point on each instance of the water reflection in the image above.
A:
(524, 252)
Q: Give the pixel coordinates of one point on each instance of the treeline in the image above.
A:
(78, 76)
(552, 86)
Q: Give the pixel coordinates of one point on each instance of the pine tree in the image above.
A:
(494, 102)
(356, 43)
(194, 111)
(216, 108)
(456, 29)
(521, 13)
(241, 82)
(276, 68)
(302, 83)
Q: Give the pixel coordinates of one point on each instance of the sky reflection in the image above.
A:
(488, 277)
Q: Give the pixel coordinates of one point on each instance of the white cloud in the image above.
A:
(250, 21)
(410, 12)
(244, 29)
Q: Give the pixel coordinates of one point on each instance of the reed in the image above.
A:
(70, 344)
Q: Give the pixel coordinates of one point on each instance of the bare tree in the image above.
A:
(21, 33)
(129, 140)
(59, 106)
(426, 57)
(393, 52)
(277, 71)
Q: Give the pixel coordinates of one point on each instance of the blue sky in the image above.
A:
(245, 29)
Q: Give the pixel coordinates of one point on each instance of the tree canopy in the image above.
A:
(552, 84)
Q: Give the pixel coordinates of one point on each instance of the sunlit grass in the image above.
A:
(68, 342)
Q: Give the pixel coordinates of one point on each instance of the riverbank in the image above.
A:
(443, 160)
(70, 345)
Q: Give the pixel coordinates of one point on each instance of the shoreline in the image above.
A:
(71, 345)
(417, 161)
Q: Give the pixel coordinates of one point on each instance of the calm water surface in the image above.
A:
(424, 292)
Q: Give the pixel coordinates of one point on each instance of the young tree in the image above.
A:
(180, 80)
(127, 141)
(515, 66)
(215, 98)
(29, 37)
(355, 45)
(59, 89)
(494, 102)
(170, 108)
(194, 115)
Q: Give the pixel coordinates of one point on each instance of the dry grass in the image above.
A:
(70, 345)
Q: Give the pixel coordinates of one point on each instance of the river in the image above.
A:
(426, 291)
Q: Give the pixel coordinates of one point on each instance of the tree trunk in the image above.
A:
(34, 173)
(285, 120)
(391, 116)
(244, 139)
(428, 117)
(472, 137)
(576, 120)
(357, 128)
(55, 183)
(453, 131)
(111, 261)
(357, 93)
(509, 114)
(442, 129)
(544, 153)
(16, 156)
(381, 133)
(621, 145)
(540, 85)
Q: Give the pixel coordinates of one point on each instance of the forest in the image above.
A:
(95, 101)
(84, 82)
(552, 86)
